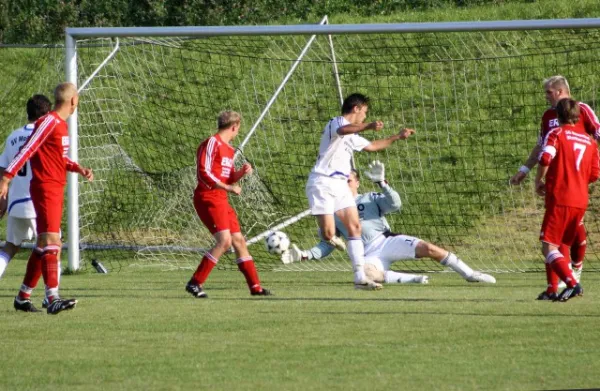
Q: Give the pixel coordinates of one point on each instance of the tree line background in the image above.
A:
(44, 21)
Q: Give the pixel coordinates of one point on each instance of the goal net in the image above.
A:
(475, 99)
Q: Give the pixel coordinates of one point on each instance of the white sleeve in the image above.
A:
(339, 122)
(359, 143)
(4, 162)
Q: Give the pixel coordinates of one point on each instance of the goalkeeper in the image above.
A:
(382, 247)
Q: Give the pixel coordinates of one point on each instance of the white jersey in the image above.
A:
(336, 151)
(19, 198)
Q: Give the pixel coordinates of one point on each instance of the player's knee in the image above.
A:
(354, 228)
(224, 243)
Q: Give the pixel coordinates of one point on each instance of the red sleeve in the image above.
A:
(549, 148)
(206, 159)
(595, 167)
(590, 120)
(71, 165)
(33, 143)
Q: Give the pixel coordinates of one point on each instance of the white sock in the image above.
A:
(356, 252)
(392, 277)
(454, 263)
(4, 261)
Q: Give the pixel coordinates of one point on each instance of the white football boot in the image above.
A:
(481, 277)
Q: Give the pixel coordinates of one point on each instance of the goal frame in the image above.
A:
(71, 73)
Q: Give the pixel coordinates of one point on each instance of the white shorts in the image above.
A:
(328, 195)
(19, 229)
(382, 251)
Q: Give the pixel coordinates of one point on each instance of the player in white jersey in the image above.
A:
(382, 247)
(326, 189)
(20, 224)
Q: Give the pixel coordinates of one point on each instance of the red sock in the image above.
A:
(561, 267)
(50, 271)
(578, 253)
(204, 269)
(246, 266)
(32, 274)
(552, 279)
(565, 251)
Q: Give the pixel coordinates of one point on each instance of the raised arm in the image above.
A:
(357, 128)
(389, 200)
(381, 144)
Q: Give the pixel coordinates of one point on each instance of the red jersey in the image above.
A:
(47, 147)
(214, 164)
(586, 116)
(573, 163)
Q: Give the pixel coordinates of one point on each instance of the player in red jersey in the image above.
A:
(557, 88)
(46, 148)
(217, 176)
(569, 163)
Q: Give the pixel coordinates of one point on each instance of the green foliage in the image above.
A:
(37, 21)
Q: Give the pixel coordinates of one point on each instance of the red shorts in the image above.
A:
(216, 214)
(48, 204)
(561, 225)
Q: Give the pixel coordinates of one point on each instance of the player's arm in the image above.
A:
(294, 254)
(33, 143)
(595, 173)
(590, 121)
(389, 200)
(381, 144)
(205, 167)
(73, 166)
(547, 154)
(237, 175)
(357, 128)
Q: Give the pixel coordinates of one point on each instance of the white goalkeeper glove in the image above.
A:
(376, 172)
(294, 254)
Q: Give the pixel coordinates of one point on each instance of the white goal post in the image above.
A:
(441, 78)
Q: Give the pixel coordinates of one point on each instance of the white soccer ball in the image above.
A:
(277, 242)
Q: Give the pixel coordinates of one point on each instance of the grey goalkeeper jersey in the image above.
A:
(372, 208)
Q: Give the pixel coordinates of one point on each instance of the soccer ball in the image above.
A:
(277, 242)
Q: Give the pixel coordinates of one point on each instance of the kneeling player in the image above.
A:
(569, 163)
(382, 247)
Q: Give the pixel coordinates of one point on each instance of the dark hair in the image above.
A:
(567, 111)
(37, 106)
(352, 101)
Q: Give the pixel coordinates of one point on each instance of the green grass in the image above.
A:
(140, 330)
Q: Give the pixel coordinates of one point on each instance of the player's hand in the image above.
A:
(376, 125)
(235, 189)
(540, 188)
(405, 133)
(294, 254)
(247, 169)
(376, 171)
(518, 178)
(87, 173)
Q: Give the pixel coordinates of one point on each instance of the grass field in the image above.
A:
(140, 330)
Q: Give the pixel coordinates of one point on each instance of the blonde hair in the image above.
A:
(64, 92)
(557, 81)
(227, 119)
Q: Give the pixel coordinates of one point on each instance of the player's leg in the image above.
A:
(214, 215)
(382, 252)
(578, 251)
(559, 226)
(429, 250)
(356, 250)
(245, 263)
(15, 234)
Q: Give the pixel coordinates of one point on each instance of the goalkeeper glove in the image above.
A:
(376, 172)
(294, 254)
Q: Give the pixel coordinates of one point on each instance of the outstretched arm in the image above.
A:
(381, 144)
(388, 201)
(294, 254)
